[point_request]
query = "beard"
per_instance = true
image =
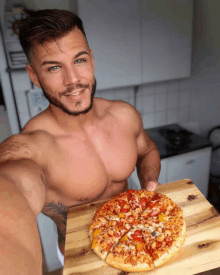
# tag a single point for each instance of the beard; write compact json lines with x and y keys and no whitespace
{"x":54,"y":101}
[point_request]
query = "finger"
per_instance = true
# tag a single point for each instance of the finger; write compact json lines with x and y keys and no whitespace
{"x":151,"y":186}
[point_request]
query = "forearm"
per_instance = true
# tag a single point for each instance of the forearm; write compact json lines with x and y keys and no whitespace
{"x":16,"y":259}
{"x":20,"y":247}
{"x":148,"y":167}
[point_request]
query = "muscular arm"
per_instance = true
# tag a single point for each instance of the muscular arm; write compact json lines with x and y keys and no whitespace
{"x":148,"y":162}
{"x":22,"y":195}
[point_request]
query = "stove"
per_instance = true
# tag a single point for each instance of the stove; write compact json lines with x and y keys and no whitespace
{"x":176,"y":137}
{"x":173,"y":140}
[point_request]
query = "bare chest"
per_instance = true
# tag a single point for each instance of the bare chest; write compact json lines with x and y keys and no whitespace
{"x":82,"y":169}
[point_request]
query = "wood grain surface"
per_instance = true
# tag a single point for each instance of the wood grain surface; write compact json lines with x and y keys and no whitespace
{"x":200,"y":252}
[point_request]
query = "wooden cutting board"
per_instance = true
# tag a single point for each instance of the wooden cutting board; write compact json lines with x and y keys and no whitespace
{"x":200,"y":252}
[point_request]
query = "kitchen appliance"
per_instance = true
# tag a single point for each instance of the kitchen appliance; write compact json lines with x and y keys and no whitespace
{"x":173,"y":139}
{"x":176,"y":137}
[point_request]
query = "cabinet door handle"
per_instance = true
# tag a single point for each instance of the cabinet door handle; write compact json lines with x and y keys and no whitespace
{"x":191,"y":161}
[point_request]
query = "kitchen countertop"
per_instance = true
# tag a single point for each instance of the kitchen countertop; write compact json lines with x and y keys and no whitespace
{"x":197,"y":142}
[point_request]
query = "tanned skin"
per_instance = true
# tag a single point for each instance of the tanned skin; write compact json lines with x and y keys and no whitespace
{"x":78,"y":150}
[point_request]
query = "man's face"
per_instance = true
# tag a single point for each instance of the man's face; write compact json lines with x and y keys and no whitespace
{"x":64,"y":70}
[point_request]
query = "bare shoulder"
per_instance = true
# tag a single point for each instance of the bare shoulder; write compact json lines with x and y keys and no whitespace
{"x":24,"y":145}
{"x":126,"y":114}
{"x":15,"y":147}
{"x":36,"y":123}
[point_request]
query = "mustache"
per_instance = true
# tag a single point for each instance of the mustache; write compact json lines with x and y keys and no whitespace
{"x":74,"y":87}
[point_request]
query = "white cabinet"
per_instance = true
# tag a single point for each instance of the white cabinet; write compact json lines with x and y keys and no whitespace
{"x":113,"y":32}
{"x":194,"y":165}
{"x":138,"y":41}
{"x":166,"y":29}
{"x":163,"y":172}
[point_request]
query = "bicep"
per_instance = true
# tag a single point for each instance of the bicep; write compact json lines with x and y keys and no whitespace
{"x":17,"y":165}
{"x":15,"y":147}
{"x":144,"y":143}
{"x":27,"y":176}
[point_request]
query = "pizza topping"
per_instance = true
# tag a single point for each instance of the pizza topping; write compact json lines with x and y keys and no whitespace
{"x":156,"y":197}
{"x":137,"y":239}
{"x":112,"y":217}
{"x":127,"y":226}
{"x":159,"y":229}
{"x":140,"y":247}
{"x":111,"y":232}
{"x":122,"y":203}
{"x":167,"y":232}
{"x":160,"y":238}
{"x":93,"y":243}
{"x":118,"y":248}
{"x":162,"y":218}
{"x":143,"y":202}
{"x":124,"y":210}
{"x":168,"y":241}
{"x":121,"y":215}
{"x":153,"y":245}
{"x":124,"y":239}
{"x":130,"y":191}
{"x":151,"y":204}
{"x":154,"y":233}
{"x":108,"y":247}
{"x":154,"y":212}
{"x":96,"y":232}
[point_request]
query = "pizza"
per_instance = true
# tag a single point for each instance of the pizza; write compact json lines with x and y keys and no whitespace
{"x":137,"y":230}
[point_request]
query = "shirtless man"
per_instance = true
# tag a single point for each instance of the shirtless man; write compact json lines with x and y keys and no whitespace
{"x":80,"y":149}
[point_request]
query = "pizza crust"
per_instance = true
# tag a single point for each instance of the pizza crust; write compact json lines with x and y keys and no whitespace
{"x":173,"y":251}
{"x":118,"y":262}
{"x":90,"y":235}
{"x":182,"y":237}
{"x":100,"y":253}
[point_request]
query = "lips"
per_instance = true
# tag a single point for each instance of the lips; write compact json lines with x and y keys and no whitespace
{"x":75,"y":93}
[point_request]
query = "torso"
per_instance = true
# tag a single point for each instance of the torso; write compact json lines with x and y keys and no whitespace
{"x":85,"y":166}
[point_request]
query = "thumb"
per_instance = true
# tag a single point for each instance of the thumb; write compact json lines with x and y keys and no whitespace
{"x":151,"y":185}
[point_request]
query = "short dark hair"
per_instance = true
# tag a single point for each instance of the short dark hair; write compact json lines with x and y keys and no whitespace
{"x":45,"y":25}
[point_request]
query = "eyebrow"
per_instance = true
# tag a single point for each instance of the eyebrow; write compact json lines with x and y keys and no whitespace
{"x":57,"y":62}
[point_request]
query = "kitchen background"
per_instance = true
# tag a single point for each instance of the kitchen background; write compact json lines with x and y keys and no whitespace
{"x":161,"y":56}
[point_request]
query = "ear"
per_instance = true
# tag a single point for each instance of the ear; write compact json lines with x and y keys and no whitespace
{"x":92,"y":58}
{"x":33,"y":75}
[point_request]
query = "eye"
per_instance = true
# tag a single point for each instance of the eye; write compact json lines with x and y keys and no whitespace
{"x":54,"y":68}
{"x":79,"y":61}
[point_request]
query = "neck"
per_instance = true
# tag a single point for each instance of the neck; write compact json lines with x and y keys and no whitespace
{"x":69,"y":122}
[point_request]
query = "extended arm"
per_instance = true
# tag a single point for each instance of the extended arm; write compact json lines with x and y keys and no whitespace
{"x":22,"y":195}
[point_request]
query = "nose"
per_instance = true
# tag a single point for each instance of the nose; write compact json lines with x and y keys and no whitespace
{"x":72,"y":76}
